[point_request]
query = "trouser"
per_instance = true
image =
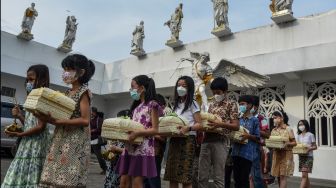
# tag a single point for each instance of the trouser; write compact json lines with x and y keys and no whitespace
{"x":256,"y":172}
{"x":97,"y":151}
{"x":241,"y":172}
{"x":156,"y":181}
{"x":228,"y":173}
{"x":212,"y":154}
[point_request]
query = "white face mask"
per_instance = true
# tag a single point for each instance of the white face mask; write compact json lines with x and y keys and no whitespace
{"x":181,"y":91}
{"x":302,"y":127}
{"x":219,"y":98}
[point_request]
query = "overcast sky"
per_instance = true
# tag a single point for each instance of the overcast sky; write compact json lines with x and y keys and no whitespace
{"x":105,"y":26}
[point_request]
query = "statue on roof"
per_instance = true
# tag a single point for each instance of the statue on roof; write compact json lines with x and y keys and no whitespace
{"x":29,"y":17}
{"x":137,"y":40}
{"x":70,"y":34}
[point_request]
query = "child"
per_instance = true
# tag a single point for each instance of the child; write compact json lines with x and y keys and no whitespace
{"x":214,"y":148}
{"x":26,"y":167}
{"x":182,"y":149}
{"x":282,"y":161}
{"x":112,"y":178}
{"x":67,"y":162}
{"x":138,"y":161}
{"x":306,"y":161}
{"x":244,"y":154}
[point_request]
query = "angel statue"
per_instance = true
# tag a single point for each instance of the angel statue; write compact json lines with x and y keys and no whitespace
{"x":175,"y":23}
{"x":70,"y":34}
{"x":279,"y":5}
{"x":221,"y":12}
{"x":203,"y":74}
{"x":138,"y":36}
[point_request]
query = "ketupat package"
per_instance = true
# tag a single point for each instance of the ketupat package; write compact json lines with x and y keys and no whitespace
{"x":44,"y":100}
{"x":236,"y":136}
{"x":168,"y":125}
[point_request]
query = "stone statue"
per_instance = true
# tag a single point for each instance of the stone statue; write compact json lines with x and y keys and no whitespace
{"x":279,"y":5}
{"x":281,"y":11}
{"x":137,"y":41}
{"x":203,"y":74}
{"x":221,"y":13}
{"x":29,"y":17}
{"x":221,"y":26}
{"x":175,"y":23}
{"x":70,"y":34}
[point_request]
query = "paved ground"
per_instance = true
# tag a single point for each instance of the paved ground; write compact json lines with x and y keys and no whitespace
{"x":96,"y":180}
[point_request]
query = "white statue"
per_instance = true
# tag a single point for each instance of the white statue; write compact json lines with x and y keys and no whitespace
{"x":175,"y":22}
{"x":138,"y":36}
{"x":221,"y":13}
{"x":28,"y":19}
{"x":279,"y":5}
{"x":70,"y":31}
{"x":203,"y":74}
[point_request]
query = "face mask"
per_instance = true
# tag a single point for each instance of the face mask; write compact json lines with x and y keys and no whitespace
{"x":135,"y":95}
{"x":219,"y":98}
{"x":29,"y":87}
{"x":276,"y":121}
{"x":68,"y":76}
{"x":181,"y":91}
{"x":242,"y":108}
{"x":302,"y":127}
{"x":252,"y":110}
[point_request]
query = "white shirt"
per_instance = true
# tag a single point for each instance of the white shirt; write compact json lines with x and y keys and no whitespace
{"x":188,"y":114}
{"x":308,"y":138}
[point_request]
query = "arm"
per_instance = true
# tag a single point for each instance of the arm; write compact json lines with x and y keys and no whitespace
{"x":255,"y":135}
{"x":16,"y":113}
{"x":292,"y":141}
{"x":231,"y":125}
{"x":197,"y":126}
{"x":312,"y":147}
{"x":265,"y":133}
{"x":35,"y":130}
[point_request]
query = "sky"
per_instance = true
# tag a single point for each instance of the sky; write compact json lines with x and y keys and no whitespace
{"x":105,"y":26}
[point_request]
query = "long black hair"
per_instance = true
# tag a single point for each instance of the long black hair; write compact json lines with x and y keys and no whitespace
{"x":77,"y":62}
{"x":150,"y":91}
{"x":281,"y":113}
{"x":305,"y":123}
{"x":190,"y":93}
{"x":42,"y":75}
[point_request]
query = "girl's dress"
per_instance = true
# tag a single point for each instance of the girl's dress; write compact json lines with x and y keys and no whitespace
{"x":25,"y":169}
{"x":67,"y":162}
{"x":139,"y":160}
{"x":112,"y":179}
{"x":282,"y":161}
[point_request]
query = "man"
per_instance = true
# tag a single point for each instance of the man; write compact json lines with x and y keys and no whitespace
{"x":215,"y":146}
{"x":244,"y":154}
{"x":96,"y":141}
{"x":256,"y":171}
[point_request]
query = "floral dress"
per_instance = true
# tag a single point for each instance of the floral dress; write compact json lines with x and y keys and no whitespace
{"x":139,"y":160}
{"x":25,"y":169}
{"x":67,"y":162}
{"x":112,"y":179}
{"x":282,"y":161}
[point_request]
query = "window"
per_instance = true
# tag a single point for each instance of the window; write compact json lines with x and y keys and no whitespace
{"x":321,"y":111}
{"x":7,"y":91}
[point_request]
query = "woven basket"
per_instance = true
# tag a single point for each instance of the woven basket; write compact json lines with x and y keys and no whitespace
{"x":168,"y":126}
{"x":205,"y":120}
{"x":118,"y":129}
{"x":45,"y":100}
{"x":301,"y":149}
{"x":275,"y":144}
{"x":236,"y":136}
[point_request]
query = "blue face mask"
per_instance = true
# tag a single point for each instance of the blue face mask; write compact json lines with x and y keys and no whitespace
{"x":29,"y":87}
{"x":135,"y":95}
{"x":242,"y":108}
{"x":252,"y":110}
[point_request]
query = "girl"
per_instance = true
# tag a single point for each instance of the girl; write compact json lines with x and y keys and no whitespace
{"x":138,"y":161}
{"x":282,"y":162}
{"x":67,"y":162}
{"x":182,"y":150}
{"x":26,"y":167}
{"x":306,"y":161}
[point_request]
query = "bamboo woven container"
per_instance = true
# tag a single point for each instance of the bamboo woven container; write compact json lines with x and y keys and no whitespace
{"x":168,"y":125}
{"x":300,"y":149}
{"x":118,"y":129}
{"x":277,"y":142}
{"x":44,"y":100}
{"x":205,"y":120}
{"x":236,"y":136}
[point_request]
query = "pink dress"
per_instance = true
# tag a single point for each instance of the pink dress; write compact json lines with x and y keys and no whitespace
{"x":139,"y":160}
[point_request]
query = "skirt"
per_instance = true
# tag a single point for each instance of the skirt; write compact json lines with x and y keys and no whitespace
{"x":181,"y":154}
{"x":306,"y":163}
